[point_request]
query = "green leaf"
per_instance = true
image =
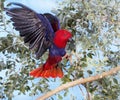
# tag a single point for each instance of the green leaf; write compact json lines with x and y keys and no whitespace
{"x":83,"y":64}
{"x":6,"y":73}
{"x":83,"y":59}
{"x":90,"y":55}
{"x":65,"y":94}
{"x":89,"y":71}
{"x":115,"y":80}
{"x":27,"y":88}
{"x":1,"y":78}
{"x":60,"y":97}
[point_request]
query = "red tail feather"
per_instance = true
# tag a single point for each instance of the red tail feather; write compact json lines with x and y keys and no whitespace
{"x":40,"y":72}
{"x":49,"y":69}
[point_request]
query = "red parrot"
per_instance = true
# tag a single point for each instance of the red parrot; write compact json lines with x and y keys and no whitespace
{"x":42,"y":32}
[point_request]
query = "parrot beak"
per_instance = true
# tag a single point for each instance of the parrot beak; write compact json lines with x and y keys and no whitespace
{"x":70,"y":40}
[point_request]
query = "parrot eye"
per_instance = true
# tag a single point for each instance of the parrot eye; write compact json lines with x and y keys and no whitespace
{"x":65,"y":34}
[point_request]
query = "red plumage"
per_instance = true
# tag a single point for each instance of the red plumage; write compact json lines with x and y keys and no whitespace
{"x":49,"y":69}
{"x":61,"y":38}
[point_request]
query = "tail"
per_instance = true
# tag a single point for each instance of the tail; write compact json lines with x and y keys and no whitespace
{"x":41,"y":72}
{"x":49,"y":69}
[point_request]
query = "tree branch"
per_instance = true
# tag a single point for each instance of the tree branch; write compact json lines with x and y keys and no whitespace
{"x":79,"y":81}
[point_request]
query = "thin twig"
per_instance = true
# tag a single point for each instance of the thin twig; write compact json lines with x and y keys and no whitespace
{"x":79,"y":81}
{"x":22,"y":43}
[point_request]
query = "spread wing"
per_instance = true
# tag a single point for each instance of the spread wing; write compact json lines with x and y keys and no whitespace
{"x":35,"y":28}
{"x":53,"y":21}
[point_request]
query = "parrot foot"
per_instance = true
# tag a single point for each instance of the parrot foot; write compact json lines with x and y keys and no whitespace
{"x":68,"y":57}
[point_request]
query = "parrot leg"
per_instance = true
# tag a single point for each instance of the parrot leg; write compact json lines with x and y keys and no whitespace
{"x":65,"y":56}
{"x":68,"y":57}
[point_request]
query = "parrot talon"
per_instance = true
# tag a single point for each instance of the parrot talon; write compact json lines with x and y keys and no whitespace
{"x":68,"y":57}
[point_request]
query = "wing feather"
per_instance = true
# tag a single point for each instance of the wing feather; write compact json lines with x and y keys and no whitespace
{"x":35,"y":28}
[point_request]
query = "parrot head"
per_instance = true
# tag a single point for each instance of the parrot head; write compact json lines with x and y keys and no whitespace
{"x":61,"y":38}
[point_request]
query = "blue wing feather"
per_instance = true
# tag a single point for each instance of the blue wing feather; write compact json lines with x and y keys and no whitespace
{"x":35,"y":28}
{"x":53,"y":21}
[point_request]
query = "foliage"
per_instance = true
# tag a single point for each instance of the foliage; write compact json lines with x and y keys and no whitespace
{"x":96,"y":29}
{"x":95,"y":49}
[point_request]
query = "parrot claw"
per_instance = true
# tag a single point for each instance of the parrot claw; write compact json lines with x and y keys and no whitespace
{"x":65,"y":56}
{"x":68,"y":57}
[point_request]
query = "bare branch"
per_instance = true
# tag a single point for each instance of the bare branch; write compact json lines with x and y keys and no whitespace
{"x":79,"y":81}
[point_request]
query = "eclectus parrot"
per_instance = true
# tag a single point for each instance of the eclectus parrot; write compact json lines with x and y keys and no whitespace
{"x":42,"y":32}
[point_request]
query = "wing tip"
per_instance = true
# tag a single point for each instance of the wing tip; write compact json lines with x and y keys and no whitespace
{"x":20,"y":5}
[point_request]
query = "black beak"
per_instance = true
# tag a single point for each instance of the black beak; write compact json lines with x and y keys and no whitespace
{"x":70,"y":40}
